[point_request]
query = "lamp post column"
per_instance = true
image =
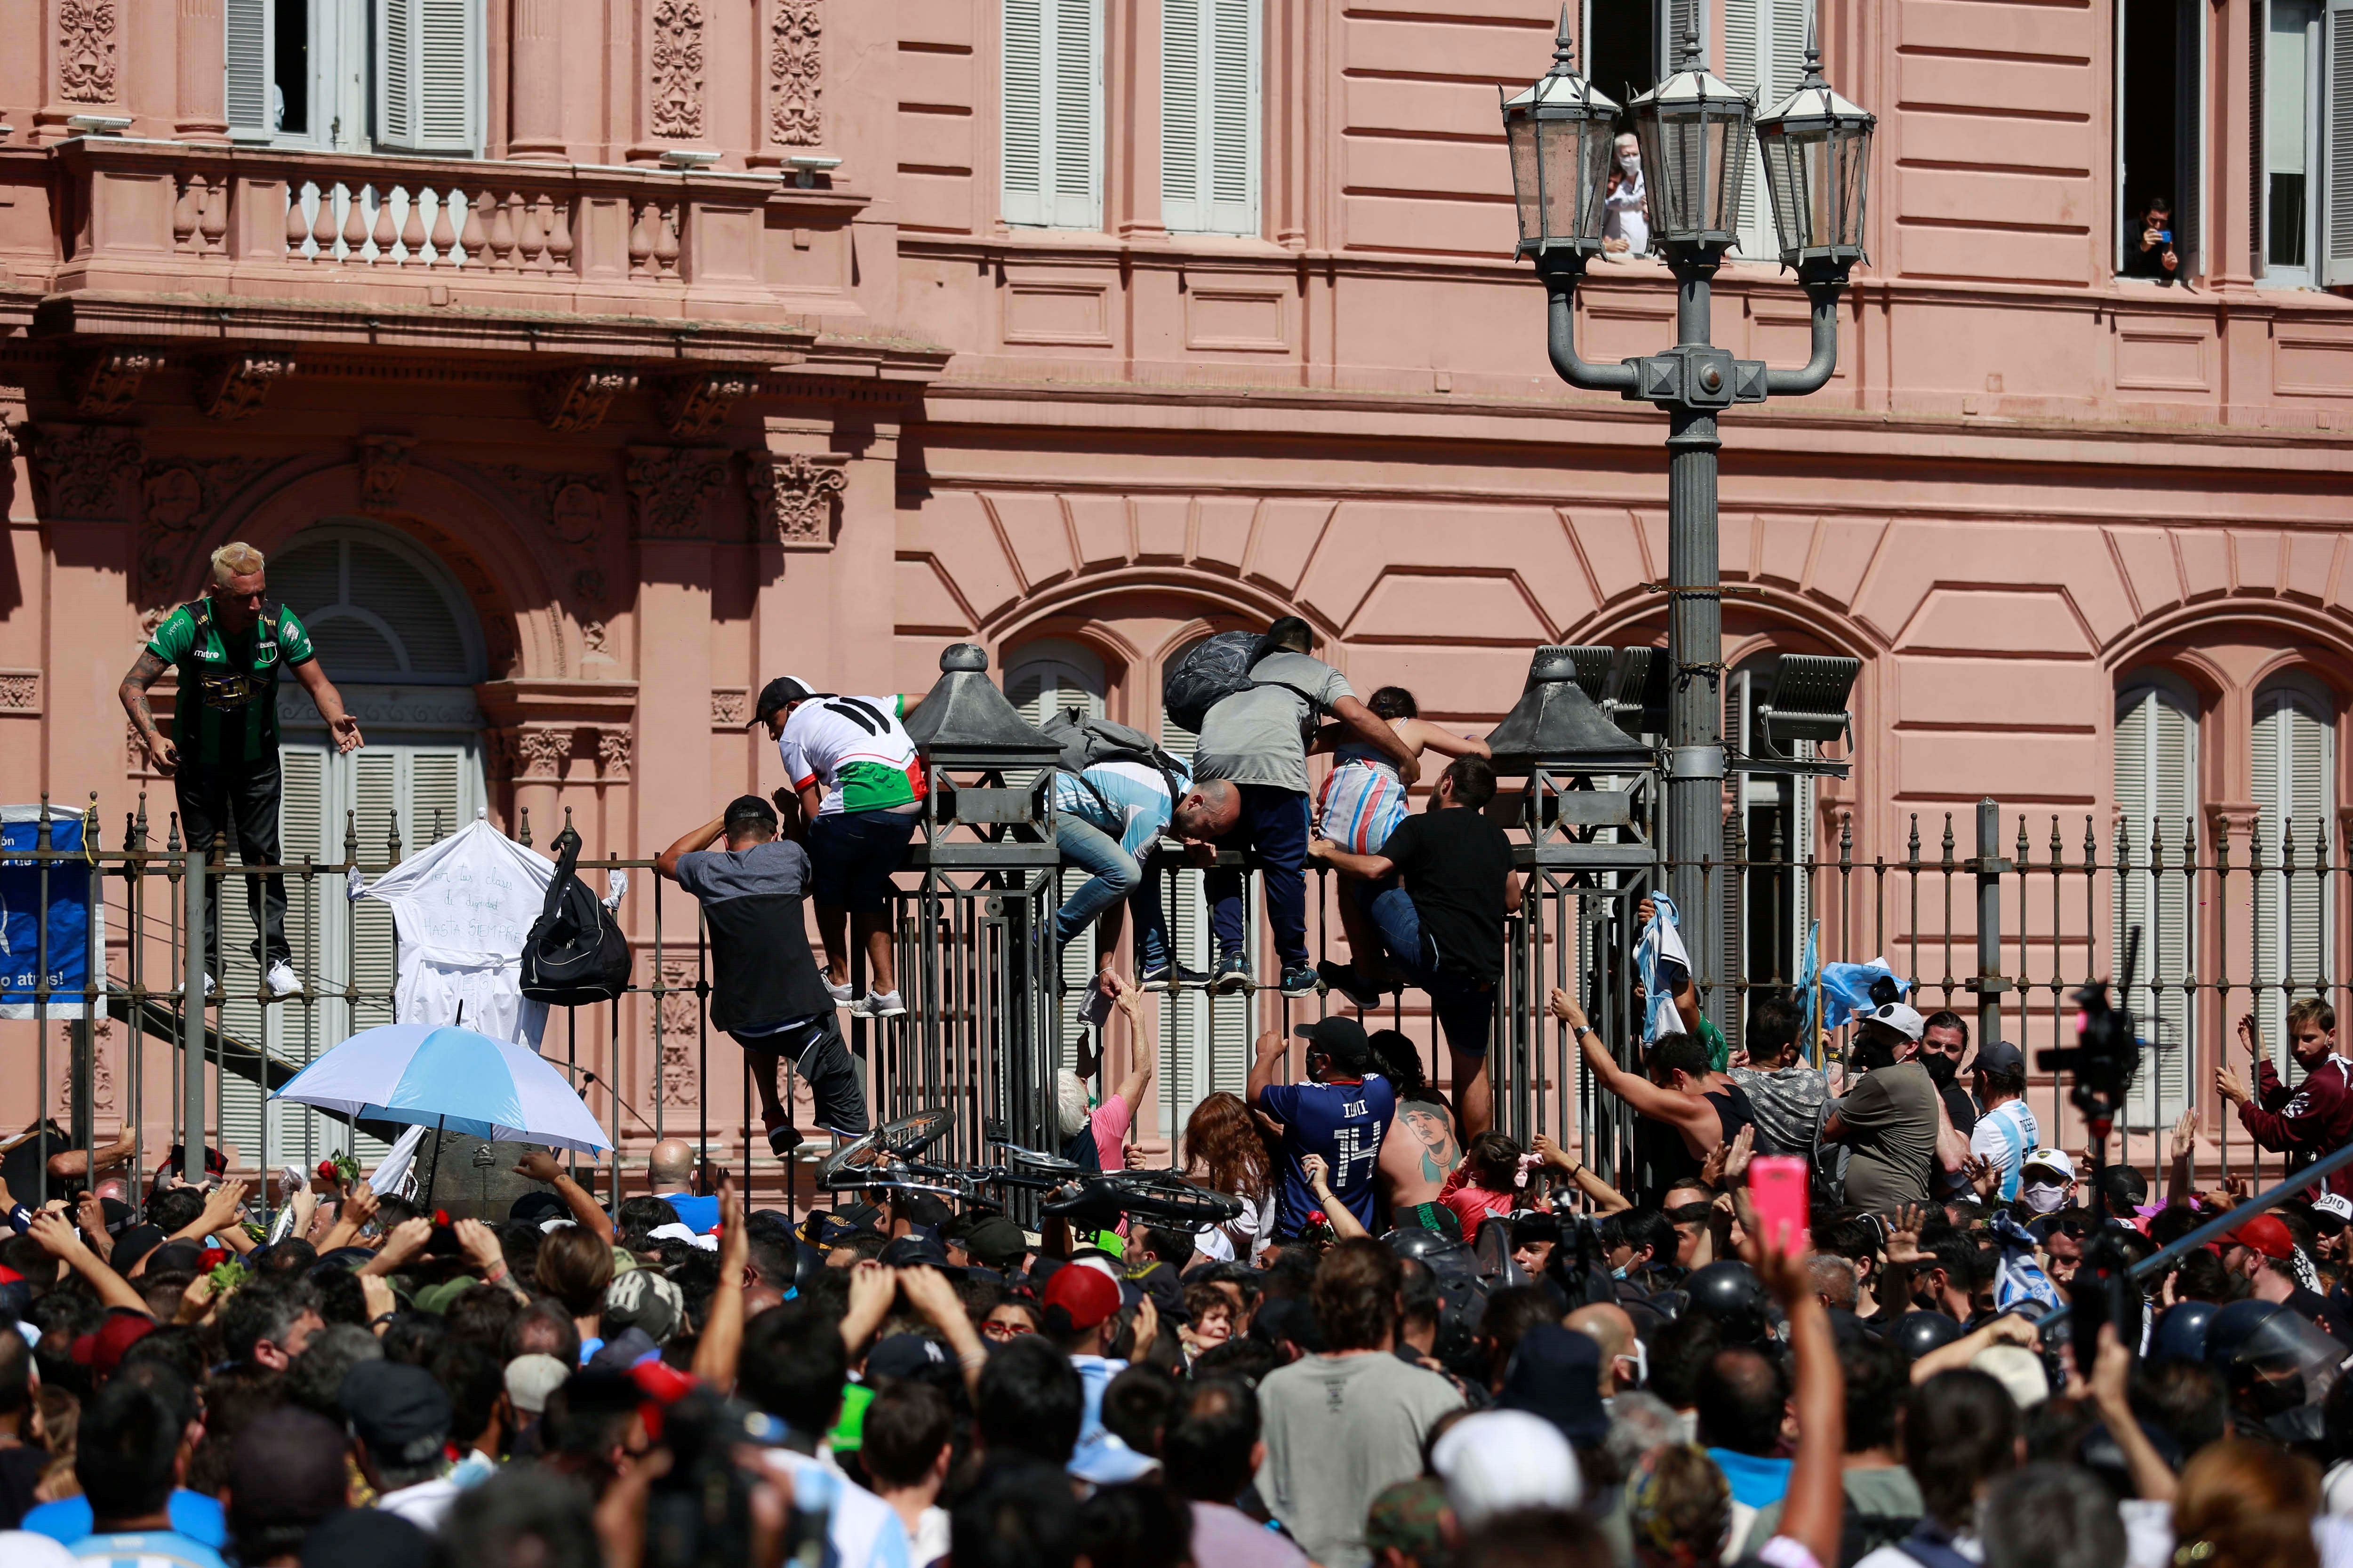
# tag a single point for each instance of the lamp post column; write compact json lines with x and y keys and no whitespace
{"x":1695,"y":652}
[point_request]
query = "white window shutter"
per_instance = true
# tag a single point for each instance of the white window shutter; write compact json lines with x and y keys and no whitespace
{"x":1674,"y":18}
{"x":1764,"y":54}
{"x":2337,"y":151}
{"x":428,"y":76}
{"x":1052,"y":157}
{"x":251,"y":72}
{"x":2294,"y":764}
{"x":2155,"y":782}
{"x":1209,"y":116}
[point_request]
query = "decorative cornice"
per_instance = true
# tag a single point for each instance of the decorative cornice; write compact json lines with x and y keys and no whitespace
{"x":235,"y":385}
{"x":693,"y":406}
{"x":795,"y":74}
{"x":573,"y":400}
{"x":669,"y":487}
{"x":384,"y":465}
{"x":80,"y":468}
{"x":104,"y":380}
{"x":793,"y":495}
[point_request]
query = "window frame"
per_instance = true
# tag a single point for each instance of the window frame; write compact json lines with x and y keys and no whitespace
{"x":2155,"y":996}
{"x":1204,"y":213}
{"x":2316,"y":99}
{"x":1046,"y":207}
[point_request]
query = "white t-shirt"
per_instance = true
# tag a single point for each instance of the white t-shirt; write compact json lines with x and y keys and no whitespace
{"x":856,"y":750}
{"x":862,"y":1529}
{"x":931,"y":1538}
{"x":1968,"y":1546}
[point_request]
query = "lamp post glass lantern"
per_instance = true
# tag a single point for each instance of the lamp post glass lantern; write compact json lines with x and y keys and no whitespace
{"x":1695,"y":133}
{"x":1695,"y":129}
{"x":1817,"y":152}
{"x":1559,"y":133}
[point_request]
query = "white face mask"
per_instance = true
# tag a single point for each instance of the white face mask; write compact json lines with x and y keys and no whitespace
{"x":2044,"y":1197}
{"x":1631,"y":163}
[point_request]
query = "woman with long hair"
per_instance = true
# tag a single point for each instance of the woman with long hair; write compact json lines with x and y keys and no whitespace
{"x":2242,"y":1504}
{"x":1224,"y":1153}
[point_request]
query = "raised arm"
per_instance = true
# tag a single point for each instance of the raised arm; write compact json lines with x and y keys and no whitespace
{"x":1607,"y":1199}
{"x":144,"y":671}
{"x":1427,"y":736}
{"x":1812,"y":1509}
{"x":721,"y":1344}
{"x":1375,"y":732}
{"x":1647,"y":1097}
{"x":541,"y":1166}
{"x":1266,"y":1064}
{"x":1142,"y":1050}
{"x":57,"y":1236}
{"x":703,"y":837}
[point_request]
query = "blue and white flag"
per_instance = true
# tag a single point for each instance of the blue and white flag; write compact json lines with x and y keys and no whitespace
{"x":75,"y":922}
{"x":1847,"y":989}
{"x":1664,"y":965}
{"x":2016,"y":1277}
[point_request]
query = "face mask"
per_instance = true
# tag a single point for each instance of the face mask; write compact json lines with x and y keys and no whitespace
{"x":1630,"y":161}
{"x":2044,"y":1197}
{"x":1875,"y":1054}
{"x":1940,"y":1067}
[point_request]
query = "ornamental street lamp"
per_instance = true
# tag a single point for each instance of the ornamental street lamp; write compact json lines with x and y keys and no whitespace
{"x":1695,"y":133}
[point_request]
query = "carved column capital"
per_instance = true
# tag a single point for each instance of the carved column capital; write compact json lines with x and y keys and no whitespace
{"x":235,"y":385}
{"x":613,"y":748}
{"x":574,"y":399}
{"x":792,"y":494}
{"x":670,"y":488}
{"x":541,"y":754}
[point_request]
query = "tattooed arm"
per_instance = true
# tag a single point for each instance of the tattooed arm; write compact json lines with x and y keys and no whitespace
{"x":133,"y":692}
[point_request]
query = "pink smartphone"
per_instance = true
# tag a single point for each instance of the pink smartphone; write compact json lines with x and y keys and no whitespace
{"x":1776,"y":1186}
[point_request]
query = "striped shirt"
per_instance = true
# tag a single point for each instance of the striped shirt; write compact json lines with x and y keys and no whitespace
{"x":153,"y":1549}
{"x":1134,"y":804}
{"x":2006,"y":1135}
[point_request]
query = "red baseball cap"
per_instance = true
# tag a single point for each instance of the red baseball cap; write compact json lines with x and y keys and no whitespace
{"x":2266,"y":1234}
{"x":102,"y":1350}
{"x":1087,"y":1294}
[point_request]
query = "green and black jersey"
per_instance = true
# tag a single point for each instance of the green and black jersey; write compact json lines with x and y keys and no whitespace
{"x":227,"y":709}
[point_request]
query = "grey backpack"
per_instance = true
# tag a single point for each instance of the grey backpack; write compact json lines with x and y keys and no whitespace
{"x":1086,"y":740}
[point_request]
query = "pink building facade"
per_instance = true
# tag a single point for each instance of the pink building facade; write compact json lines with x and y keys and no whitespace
{"x":581,"y":367}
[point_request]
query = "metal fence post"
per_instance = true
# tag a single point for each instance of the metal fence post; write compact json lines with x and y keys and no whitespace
{"x":192,"y":1016}
{"x":1990,"y":983}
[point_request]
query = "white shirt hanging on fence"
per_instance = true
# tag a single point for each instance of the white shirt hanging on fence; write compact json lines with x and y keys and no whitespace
{"x":462,"y":908}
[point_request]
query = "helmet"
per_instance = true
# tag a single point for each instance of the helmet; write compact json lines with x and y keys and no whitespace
{"x":1413,"y":1241}
{"x":2181,"y":1333}
{"x":2272,"y":1358}
{"x":1917,"y":1333}
{"x":1728,"y":1293}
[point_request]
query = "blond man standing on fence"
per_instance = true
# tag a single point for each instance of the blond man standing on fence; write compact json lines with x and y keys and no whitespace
{"x":222,"y":759}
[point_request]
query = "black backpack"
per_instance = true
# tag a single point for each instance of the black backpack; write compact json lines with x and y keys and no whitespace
{"x":575,"y":953}
{"x":1216,"y":669}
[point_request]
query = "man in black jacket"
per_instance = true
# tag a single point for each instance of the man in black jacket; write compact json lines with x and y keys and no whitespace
{"x":765,"y":988}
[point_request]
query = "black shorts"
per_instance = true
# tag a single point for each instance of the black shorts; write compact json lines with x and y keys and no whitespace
{"x":852,"y":855}
{"x":819,"y":1055}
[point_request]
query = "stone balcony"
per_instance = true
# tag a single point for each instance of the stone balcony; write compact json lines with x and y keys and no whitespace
{"x":278,"y":249}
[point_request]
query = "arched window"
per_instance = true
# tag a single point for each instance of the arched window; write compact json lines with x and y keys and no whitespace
{"x":1052,"y":673}
{"x":2156,"y":801}
{"x":2295,"y":797}
{"x":1764,"y":939}
{"x":378,"y":610}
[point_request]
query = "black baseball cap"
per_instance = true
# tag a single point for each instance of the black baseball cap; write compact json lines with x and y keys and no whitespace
{"x":400,"y":1412}
{"x":783,"y":690}
{"x":1342,"y":1038}
{"x":2001,"y":1057}
{"x":995,"y":1239}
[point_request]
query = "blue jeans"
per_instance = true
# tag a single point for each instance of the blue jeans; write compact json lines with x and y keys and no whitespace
{"x":1465,"y":1007}
{"x":1116,"y":875}
{"x":1274,"y":823}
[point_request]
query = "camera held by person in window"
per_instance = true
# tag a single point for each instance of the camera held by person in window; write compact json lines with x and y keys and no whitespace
{"x":2148,"y":244}
{"x":1626,"y":229}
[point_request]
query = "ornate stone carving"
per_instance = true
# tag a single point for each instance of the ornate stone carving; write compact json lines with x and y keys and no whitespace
{"x":794,"y":496}
{"x":570,"y":400}
{"x":588,"y":583}
{"x":795,"y":74}
{"x":541,"y":754}
{"x":81,"y":468}
{"x":680,"y":1009}
{"x":677,"y":69}
{"x":180,"y":496}
{"x":235,"y":385}
{"x":668,"y":487}
{"x":612,"y":753}
{"x":383,"y":464}
{"x":86,"y":43}
{"x":593,"y":640}
{"x":105,"y":381}
{"x":571,"y":506}
{"x":730,"y":707}
{"x":694,"y":406}
{"x":20,"y":691}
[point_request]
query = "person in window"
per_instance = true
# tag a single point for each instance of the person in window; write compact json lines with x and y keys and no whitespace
{"x":2148,"y":244}
{"x":765,"y":988}
{"x":229,"y":647}
{"x":1626,"y":226}
{"x":861,"y":788}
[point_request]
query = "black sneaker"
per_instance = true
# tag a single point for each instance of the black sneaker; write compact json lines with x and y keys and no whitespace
{"x":1298,"y":980}
{"x":1232,"y":974}
{"x":783,"y":1141}
{"x":1348,"y":982}
{"x":1169,"y":977}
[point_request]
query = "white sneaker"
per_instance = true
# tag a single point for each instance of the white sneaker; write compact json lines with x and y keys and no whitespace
{"x":283,"y":981}
{"x":878,"y":1004}
{"x":840,"y":993}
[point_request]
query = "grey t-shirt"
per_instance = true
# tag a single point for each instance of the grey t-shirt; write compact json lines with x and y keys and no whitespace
{"x":1891,"y":1121}
{"x":1253,"y":737}
{"x":1338,"y":1429}
{"x":778,"y":867}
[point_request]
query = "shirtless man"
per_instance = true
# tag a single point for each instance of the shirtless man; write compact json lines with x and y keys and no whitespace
{"x":1414,"y":1165}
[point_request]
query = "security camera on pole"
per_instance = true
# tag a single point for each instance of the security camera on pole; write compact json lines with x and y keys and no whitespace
{"x":1695,"y":132}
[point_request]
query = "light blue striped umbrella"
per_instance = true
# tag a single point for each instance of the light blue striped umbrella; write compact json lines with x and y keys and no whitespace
{"x":437,"y":1075}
